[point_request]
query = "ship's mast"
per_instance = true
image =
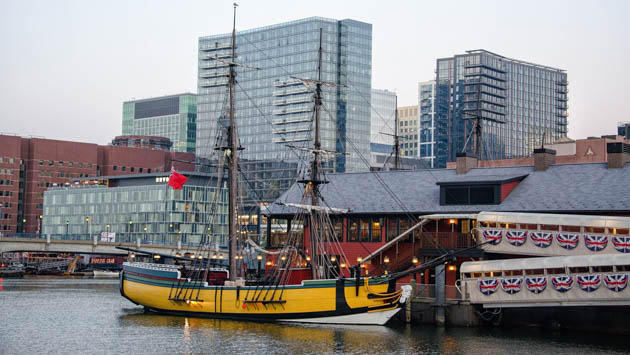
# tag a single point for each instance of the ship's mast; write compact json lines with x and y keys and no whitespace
{"x":232,"y":160}
{"x":314,"y":182}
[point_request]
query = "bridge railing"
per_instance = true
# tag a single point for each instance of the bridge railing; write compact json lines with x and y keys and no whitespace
{"x":88,"y":237}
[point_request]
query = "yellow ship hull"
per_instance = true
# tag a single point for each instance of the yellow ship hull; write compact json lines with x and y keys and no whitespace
{"x":323,"y":301}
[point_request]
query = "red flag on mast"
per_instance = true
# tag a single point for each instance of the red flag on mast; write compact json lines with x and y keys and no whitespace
{"x":176,"y":180}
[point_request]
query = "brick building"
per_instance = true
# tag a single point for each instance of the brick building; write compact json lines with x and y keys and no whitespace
{"x":28,"y":166}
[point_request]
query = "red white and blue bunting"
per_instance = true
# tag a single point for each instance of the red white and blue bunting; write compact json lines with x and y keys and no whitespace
{"x":621,"y":244}
{"x":568,"y":241}
{"x":516,"y":238}
{"x":595,"y":242}
{"x":493,"y":236}
{"x":589,"y":283}
{"x":616,"y":282}
{"x":536,"y":284}
{"x":511,"y":285}
{"x":542,"y":239}
{"x":488,"y":287}
{"x":562,"y":283}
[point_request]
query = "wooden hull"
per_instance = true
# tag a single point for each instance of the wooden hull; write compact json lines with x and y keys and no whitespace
{"x":323,"y":301}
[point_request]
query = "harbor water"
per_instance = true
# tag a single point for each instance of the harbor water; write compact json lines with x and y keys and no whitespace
{"x":88,"y":316}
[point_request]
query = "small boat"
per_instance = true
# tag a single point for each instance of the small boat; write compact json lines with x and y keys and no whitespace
{"x":302,"y":286}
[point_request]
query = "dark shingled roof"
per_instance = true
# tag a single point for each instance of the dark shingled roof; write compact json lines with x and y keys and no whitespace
{"x":574,"y":188}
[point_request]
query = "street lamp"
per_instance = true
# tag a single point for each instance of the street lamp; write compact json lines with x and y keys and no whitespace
{"x":67,"y":226}
{"x":87,"y":226}
{"x":130,"y":228}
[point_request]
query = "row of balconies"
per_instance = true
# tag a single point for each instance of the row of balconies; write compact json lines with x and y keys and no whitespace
{"x":291,"y":82}
{"x":293,"y":100}
{"x":218,"y":55}
{"x":292,"y":129}
{"x":213,"y":65}
{"x":213,"y":74}
{"x":291,"y":119}
{"x":486,"y":81}
{"x":296,"y":138}
{"x":215,"y":46}
{"x":292,"y":109}
{"x":213,"y":83}
{"x":287,"y":92}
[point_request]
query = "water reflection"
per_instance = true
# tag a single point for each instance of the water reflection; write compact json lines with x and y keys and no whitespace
{"x":89,"y":316}
{"x":294,"y":338}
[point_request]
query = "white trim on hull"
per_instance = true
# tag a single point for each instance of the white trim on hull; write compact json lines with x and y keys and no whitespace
{"x":367,"y":318}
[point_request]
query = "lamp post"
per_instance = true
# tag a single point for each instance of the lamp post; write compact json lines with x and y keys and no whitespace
{"x":107,"y":231}
{"x":39,"y":227}
{"x":67,"y":226}
{"x":130,"y":229}
{"x":24,"y":225}
{"x":87,"y":226}
{"x":259,"y":258}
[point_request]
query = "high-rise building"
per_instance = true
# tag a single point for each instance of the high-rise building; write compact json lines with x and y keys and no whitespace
{"x":518,"y":104}
{"x":623,"y":129}
{"x":173,"y":117}
{"x":426,"y":98}
{"x":274,"y":108}
{"x":408,"y":131}
{"x":382,"y":126}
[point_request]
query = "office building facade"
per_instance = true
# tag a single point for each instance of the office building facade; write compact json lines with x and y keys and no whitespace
{"x":519,"y":105}
{"x":274,"y":109}
{"x":426,"y":103}
{"x":408,"y":131}
{"x":30,"y":166}
{"x":382,"y":127}
{"x":173,"y":117}
{"x":131,"y":207}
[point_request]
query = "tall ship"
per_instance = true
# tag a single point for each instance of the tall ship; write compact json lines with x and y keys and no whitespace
{"x":312,"y":281}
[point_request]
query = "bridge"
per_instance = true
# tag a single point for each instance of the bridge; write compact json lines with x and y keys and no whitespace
{"x":61,"y":243}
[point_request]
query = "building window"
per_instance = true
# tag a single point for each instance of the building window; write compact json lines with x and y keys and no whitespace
{"x":80,"y":165}
{"x":124,"y":168}
{"x":470,"y":195}
{"x":115,"y":168}
{"x":41,"y":162}
{"x":51,"y":163}
{"x":353,"y":230}
{"x":61,"y":163}
{"x":132,"y":169}
{"x":70,"y":164}
{"x":140,"y":170}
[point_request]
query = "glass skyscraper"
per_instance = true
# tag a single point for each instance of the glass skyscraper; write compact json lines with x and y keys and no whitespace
{"x":519,"y":104}
{"x":173,"y":117}
{"x":382,"y":126}
{"x":274,"y":109}
{"x":426,"y":98}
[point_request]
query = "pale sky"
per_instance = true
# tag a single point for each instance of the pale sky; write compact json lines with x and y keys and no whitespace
{"x":67,"y":66}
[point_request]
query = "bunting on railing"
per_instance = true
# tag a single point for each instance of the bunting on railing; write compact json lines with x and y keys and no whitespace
{"x":492,"y":236}
{"x":536,"y":284}
{"x":616,"y":282}
{"x":621,"y":244}
{"x":488,"y":287}
{"x":588,"y":283}
{"x":541,"y":239}
{"x":595,"y":242}
{"x":516,"y":238}
{"x":568,"y":241}
{"x":511,"y":285}
{"x":562,"y":283}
